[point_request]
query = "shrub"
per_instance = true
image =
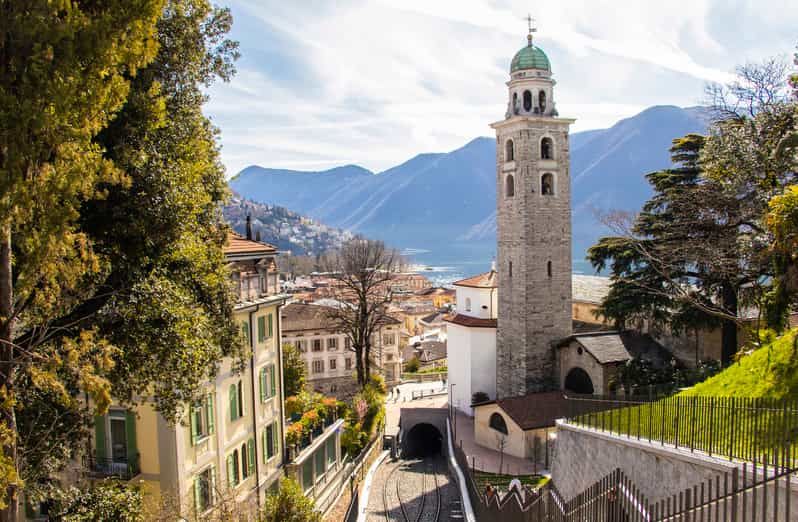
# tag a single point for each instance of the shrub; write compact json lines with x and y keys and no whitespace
{"x":294,"y":433}
{"x":412,"y":365}
{"x":479,"y":397}
{"x":289,"y":504}
{"x":105,"y":501}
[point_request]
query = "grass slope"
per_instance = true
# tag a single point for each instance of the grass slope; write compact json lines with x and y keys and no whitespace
{"x":768,"y":372}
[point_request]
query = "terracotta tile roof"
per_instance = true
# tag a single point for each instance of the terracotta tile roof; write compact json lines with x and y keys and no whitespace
{"x":467,"y":320}
{"x":486,"y":280}
{"x":238,"y":244}
{"x":535,"y":410}
{"x":298,"y":316}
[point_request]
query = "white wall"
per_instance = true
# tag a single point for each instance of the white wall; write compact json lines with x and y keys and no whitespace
{"x":472,"y":363}
{"x":484,"y":302}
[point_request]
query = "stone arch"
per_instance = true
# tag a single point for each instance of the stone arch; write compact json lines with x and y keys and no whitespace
{"x":498,"y":423}
{"x":509,"y":186}
{"x":527,"y":101}
{"x":509,"y":151}
{"x":546,"y":148}
{"x":547,"y":184}
{"x":578,"y":381}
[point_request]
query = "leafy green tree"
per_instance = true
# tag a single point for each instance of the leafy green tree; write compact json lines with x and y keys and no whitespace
{"x":412,"y":365}
{"x":293,"y":370}
{"x":65,"y":70}
{"x":289,"y":504}
{"x":138,"y":304}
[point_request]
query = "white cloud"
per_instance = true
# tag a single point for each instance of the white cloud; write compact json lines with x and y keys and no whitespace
{"x":374,"y":83}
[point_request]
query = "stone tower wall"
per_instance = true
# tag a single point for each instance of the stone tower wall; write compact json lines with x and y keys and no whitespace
{"x":533,"y":229}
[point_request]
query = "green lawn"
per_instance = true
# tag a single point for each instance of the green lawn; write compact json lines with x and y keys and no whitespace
{"x":502,"y":482}
{"x":746,"y":411}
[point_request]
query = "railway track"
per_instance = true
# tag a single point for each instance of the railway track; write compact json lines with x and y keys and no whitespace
{"x":412,"y":491}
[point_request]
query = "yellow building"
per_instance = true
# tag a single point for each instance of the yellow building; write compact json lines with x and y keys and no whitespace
{"x":230,"y":444}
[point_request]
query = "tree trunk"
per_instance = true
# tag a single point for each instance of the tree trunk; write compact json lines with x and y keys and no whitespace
{"x":729,"y":328}
{"x":7,"y":416}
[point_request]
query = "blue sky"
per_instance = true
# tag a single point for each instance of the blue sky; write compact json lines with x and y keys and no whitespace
{"x":326,"y":83}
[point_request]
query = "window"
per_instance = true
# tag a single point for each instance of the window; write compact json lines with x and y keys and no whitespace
{"x":333,"y":363}
{"x":527,"y":101}
{"x":204,"y":487}
{"x":332,"y":344}
{"x":509,"y":189}
{"x":389,"y":357}
{"x":245,"y":332}
{"x":244,"y":462}
{"x":497,"y":423}
{"x":318,"y":366}
{"x":468,"y":304}
{"x":389,"y":338}
{"x":265,"y":327}
{"x":236,"y":401}
{"x":542,"y":101}
{"x":510,"y":269}
{"x":270,"y":442}
{"x":316,"y":345}
{"x":233,"y":477}
{"x":202,"y":419}
{"x":515,"y":103}
{"x":547,"y":184}
{"x":347,"y":343}
{"x":546,"y":148}
{"x":268,"y":384}
{"x":302,"y":345}
{"x":548,"y":268}
{"x":509,"y":151}
{"x":348,"y":363}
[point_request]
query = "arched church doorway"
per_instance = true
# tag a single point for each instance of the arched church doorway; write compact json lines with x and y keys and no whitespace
{"x":578,"y":381}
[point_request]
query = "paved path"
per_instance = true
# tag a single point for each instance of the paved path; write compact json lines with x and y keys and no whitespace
{"x":487,"y":459}
{"x":403,"y":399}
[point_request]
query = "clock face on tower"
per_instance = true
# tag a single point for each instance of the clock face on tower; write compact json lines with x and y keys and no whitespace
{"x":533,"y":227}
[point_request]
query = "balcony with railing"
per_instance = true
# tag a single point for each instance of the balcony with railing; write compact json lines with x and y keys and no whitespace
{"x":107,"y":467}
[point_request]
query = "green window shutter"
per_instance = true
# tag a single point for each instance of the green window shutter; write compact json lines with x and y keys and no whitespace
{"x":263,"y":388}
{"x":251,"y":456}
{"x":271,"y":326}
{"x":130,"y":434}
{"x":210,"y":420}
{"x":99,"y":436}
{"x":245,"y":331}
{"x":261,"y":329}
{"x":233,"y":402}
{"x":230,"y":480}
{"x":272,"y":382}
{"x":194,"y":422}
{"x":198,"y":494}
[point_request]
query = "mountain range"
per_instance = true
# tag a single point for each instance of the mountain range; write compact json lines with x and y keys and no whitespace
{"x":437,"y":199}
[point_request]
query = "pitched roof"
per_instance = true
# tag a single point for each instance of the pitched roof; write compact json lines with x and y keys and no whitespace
{"x":432,"y":351}
{"x":467,"y":320}
{"x":611,"y":347}
{"x":238,"y":244}
{"x":486,"y":280}
{"x":535,"y":410}
{"x":434,"y":317}
{"x":300,"y":316}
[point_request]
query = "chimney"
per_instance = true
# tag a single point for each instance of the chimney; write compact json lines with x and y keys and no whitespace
{"x":257,"y":235}
{"x":249,"y":227}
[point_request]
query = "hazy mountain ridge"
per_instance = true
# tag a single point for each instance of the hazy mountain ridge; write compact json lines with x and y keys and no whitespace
{"x":439,"y":198}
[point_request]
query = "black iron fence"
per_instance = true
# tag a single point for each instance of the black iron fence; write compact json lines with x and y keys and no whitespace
{"x":731,"y":427}
{"x":121,"y":468}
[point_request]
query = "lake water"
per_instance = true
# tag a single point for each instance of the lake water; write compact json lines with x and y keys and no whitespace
{"x":452,"y":262}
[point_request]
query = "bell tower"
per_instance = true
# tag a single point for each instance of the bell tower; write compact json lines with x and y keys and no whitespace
{"x":533,"y":202}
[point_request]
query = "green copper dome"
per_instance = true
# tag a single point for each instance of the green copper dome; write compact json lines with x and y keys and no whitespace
{"x":530,"y":57}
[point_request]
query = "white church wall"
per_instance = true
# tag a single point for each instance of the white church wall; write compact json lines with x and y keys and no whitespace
{"x":477,"y":302}
{"x":458,"y":347}
{"x":483,"y":361}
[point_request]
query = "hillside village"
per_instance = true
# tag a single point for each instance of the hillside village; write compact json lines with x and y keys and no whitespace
{"x":174,"y":351}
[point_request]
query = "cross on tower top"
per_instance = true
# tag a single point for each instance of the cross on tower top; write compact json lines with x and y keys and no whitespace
{"x":532,"y":29}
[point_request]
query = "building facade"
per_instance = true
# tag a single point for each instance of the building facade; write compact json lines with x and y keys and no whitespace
{"x":327,"y":351}
{"x":229,"y":446}
{"x":533,"y":228}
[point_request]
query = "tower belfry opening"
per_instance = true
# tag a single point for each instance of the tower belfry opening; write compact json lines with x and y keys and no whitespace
{"x":534,"y":304}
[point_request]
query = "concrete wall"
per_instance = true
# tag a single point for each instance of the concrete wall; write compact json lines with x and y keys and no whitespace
{"x":582,"y":457}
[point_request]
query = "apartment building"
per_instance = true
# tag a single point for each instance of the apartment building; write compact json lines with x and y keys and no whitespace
{"x":328,"y":354}
{"x":230,"y":444}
